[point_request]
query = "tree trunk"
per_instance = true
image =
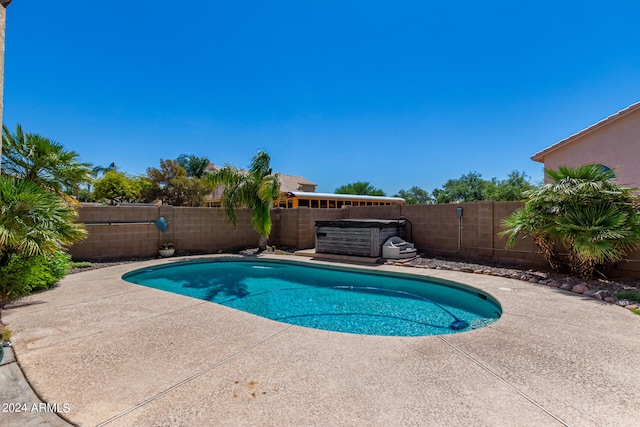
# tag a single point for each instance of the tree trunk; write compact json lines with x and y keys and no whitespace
{"x":262,"y":244}
{"x":549,"y":252}
{"x":582,"y":267}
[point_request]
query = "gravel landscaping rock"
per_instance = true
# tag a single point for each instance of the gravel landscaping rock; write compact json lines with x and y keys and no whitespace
{"x":601,"y":288}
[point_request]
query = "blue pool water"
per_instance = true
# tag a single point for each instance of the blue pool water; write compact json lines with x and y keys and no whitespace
{"x":335,"y":299}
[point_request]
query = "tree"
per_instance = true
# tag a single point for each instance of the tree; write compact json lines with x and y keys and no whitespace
{"x":255,"y":189}
{"x":37,"y":159}
{"x":97,"y":170}
{"x":508,"y":190}
{"x":171,"y":184}
{"x":472,"y":188}
{"x":144,"y":187}
{"x":361,"y":188}
{"x":32,"y":222}
{"x":582,"y":208}
{"x":194,"y":166}
{"x":85,"y":195}
{"x":116,"y":187}
{"x":467,"y":188}
{"x":415,"y":196}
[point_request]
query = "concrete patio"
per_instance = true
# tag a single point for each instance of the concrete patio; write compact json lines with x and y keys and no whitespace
{"x":108,"y":352}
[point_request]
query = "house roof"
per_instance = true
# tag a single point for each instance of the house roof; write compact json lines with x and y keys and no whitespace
{"x":293,"y":183}
{"x":343,"y":196}
{"x":287,"y":182}
{"x":539,"y":156}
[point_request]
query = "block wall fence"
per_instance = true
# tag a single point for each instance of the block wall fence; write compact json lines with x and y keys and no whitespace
{"x":130,"y":232}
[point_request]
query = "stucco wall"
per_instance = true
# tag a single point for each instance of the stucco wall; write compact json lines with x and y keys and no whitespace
{"x":616,"y":145}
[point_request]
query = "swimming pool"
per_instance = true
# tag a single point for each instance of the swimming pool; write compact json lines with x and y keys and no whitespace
{"x":326,"y":297}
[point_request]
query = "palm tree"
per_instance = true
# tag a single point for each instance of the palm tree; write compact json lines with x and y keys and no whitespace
{"x":597,"y":220}
{"x":536,"y":221}
{"x":32,"y":222}
{"x":97,"y":170}
{"x":35,"y":158}
{"x":195,"y":166}
{"x":598,"y":234}
{"x":255,"y":189}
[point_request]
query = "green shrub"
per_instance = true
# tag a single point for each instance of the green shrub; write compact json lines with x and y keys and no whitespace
{"x":630,"y":295}
{"x":12,"y":278}
{"x":51,"y":269}
{"x":33,"y":225}
{"x":24,"y":274}
{"x":81,"y":264}
{"x":5,"y":333}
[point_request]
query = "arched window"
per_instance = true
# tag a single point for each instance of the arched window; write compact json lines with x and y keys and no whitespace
{"x":605,"y":169}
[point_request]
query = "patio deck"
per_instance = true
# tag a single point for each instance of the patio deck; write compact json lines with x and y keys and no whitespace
{"x":120,"y":354}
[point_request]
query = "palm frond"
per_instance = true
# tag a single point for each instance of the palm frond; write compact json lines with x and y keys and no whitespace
{"x":33,"y":221}
{"x":255,"y":190}
{"x":597,"y":220}
{"x":269,"y":188}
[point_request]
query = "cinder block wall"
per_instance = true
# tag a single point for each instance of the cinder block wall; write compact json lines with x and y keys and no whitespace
{"x":295,"y":228}
{"x":631,"y":267}
{"x":192,"y":230}
{"x":525,"y":251}
{"x":117,"y":241}
{"x":284,"y":231}
{"x":377,"y":212}
{"x":434,"y":229}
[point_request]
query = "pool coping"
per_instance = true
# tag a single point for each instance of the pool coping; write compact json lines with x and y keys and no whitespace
{"x":554,"y":358}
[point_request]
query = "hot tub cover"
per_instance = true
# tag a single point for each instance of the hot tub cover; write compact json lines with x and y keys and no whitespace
{"x":362,"y":223}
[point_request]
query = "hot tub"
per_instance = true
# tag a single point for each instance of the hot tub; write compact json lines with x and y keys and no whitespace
{"x":359,"y":237}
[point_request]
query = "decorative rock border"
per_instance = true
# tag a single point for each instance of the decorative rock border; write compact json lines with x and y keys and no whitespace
{"x":580,"y":288}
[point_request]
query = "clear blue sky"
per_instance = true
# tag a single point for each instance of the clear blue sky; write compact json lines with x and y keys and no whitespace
{"x":398,"y":93}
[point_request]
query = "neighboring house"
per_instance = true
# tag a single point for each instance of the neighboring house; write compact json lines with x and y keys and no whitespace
{"x":288,"y":183}
{"x":613,"y":143}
